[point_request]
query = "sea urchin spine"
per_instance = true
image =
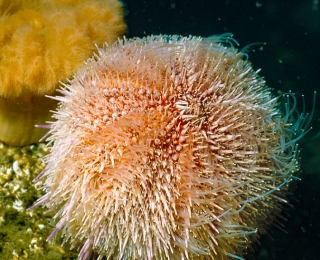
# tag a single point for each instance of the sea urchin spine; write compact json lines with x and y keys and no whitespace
{"x":168,"y":147}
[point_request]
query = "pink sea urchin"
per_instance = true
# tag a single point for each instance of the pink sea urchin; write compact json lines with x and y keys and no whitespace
{"x":168,"y":147}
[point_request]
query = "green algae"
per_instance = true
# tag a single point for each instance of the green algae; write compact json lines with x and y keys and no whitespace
{"x":23,"y":232}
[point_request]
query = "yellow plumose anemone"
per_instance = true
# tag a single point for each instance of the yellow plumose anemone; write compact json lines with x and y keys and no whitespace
{"x":168,"y":147}
{"x":42,"y":43}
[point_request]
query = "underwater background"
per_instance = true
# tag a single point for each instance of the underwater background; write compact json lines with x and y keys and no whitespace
{"x":290,"y":61}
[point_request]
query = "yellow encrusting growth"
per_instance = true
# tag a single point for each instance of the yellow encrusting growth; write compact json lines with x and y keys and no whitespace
{"x":168,"y":148}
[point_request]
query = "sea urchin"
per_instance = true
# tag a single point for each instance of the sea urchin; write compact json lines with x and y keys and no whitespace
{"x":168,"y":147}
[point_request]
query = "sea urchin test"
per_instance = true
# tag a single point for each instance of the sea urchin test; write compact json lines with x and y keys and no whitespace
{"x":168,"y":147}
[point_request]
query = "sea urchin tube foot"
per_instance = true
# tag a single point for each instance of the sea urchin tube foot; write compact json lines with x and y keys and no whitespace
{"x":168,"y":147}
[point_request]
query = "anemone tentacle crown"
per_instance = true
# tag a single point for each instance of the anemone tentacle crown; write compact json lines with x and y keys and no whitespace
{"x":42,"y":43}
{"x":168,"y":147}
